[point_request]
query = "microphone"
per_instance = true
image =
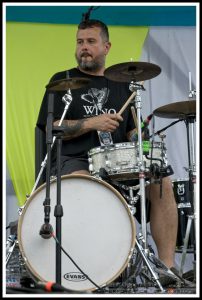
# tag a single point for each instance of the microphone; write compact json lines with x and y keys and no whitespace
{"x":145,"y":130}
{"x":46,"y":231}
{"x":146,"y":122}
{"x":144,"y":125}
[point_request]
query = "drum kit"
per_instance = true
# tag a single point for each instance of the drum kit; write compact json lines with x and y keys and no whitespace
{"x":98,"y":226}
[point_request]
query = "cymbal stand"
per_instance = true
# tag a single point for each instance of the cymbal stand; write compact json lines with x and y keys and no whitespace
{"x":143,"y":249}
{"x":189,"y":121}
{"x":67,"y":99}
{"x":138,"y":105}
{"x":192,"y":181}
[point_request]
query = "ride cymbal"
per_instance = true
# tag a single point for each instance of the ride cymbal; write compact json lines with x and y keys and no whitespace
{"x":177,"y":110}
{"x":69,"y":83}
{"x":132,"y":71}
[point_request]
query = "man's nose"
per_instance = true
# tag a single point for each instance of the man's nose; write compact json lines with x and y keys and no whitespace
{"x":84,"y":46}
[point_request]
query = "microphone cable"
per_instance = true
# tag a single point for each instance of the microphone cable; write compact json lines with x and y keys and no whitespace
{"x":97,"y":286}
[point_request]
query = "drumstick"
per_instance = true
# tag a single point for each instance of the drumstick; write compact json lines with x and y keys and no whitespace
{"x":129,"y":100}
{"x":134,"y":116}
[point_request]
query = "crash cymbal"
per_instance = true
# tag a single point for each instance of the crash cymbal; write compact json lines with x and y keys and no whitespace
{"x":177,"y":110}
{"x":69,"y":83}
{"x":132,"y":71}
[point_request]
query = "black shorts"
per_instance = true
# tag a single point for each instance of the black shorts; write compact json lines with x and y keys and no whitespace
{"x":70,"y":164}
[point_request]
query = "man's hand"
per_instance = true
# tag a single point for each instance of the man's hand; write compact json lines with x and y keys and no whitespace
{"x":105,"y":122}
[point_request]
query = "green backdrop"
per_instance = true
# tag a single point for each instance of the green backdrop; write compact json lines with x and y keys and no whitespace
{"x":34,"y":52}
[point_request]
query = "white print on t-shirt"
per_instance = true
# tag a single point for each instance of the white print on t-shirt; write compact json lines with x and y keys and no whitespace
{"x":97,"y":98}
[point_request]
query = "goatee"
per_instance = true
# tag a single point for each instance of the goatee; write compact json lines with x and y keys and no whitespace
{"x":90,"y":65}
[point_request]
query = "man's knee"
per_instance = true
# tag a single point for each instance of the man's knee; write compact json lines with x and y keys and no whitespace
{"x":160,"y":190}
{"x":82,"y":172}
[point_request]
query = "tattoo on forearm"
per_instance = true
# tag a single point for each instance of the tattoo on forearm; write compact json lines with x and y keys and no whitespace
{"x":74,"y":128}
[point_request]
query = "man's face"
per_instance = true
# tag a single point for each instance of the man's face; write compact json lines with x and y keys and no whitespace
{"x":91,"y":49}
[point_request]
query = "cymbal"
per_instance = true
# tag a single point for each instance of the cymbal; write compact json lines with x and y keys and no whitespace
{"x":69,"y":83}
{"x":176,"y":110}
{"x":132,"y":71}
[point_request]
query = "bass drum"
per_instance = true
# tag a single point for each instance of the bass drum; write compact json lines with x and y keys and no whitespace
{"x":98,"y":233}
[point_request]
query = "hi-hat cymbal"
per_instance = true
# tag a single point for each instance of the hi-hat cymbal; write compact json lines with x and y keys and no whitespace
{"x":132,"y":71}
{"x":177,"y":110}
{"x":69,"y":83}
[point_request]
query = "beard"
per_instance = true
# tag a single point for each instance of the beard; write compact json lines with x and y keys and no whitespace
{"x":93,"y":65}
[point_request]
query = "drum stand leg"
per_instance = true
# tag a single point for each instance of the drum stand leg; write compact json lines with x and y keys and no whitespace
{"x":186,"y":239}
{"x":143,"y":249}
{"x":144,"y":269}
{"x":189,"y":121}
{"x":145,"y":259}
{"x":10,"y":246}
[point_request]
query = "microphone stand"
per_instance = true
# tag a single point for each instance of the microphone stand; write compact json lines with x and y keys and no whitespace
{"x":58,"y":131}
{"x":46,"y":230}
{"x":67,"y":99}
{"x":49,"y":138}
{"x":58,"y":213}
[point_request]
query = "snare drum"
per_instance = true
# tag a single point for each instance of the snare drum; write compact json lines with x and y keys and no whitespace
{"x":183,"y":197}
{"x":121,"y":160}
{"x":98,"y":233}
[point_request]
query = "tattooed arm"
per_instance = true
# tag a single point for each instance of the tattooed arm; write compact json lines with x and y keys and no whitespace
{"x":74,"y":128}
{"x":104,"y":122}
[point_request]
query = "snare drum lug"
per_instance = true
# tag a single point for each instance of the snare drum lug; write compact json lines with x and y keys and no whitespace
{"x":108,"y":163}
{"x":91,"y":169}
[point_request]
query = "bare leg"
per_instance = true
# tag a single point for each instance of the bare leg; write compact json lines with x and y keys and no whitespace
{"x":163,"y":220}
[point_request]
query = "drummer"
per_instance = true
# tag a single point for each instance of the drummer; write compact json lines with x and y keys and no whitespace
{"x":94,"y":109}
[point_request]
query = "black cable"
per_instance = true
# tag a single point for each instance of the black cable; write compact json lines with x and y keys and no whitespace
{"x":86,"y":16}
{"x":163,"y":129}
{"x":75,"y":263}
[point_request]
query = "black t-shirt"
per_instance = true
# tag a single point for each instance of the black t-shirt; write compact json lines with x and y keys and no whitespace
{"x":100,"y":96}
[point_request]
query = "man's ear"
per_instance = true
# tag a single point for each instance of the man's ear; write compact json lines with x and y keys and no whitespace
{"x":107,"y":47}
